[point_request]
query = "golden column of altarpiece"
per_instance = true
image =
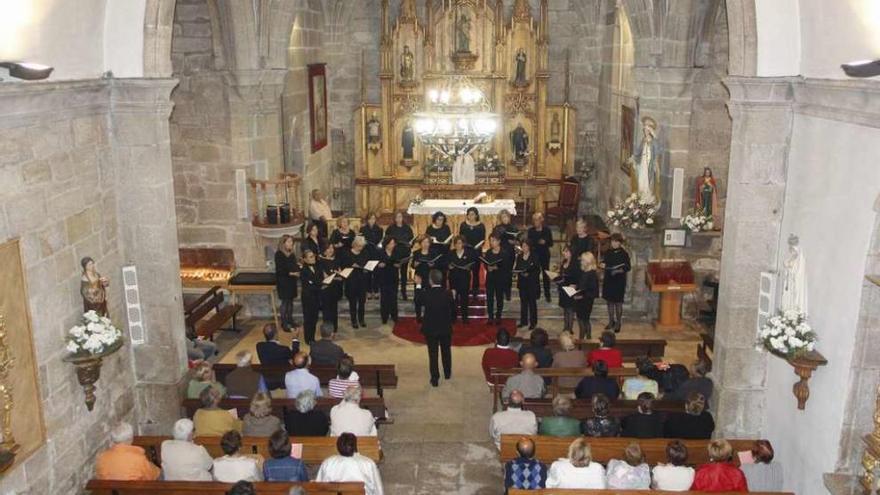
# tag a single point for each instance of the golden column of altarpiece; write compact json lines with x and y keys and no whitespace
{"x":505,"y":55}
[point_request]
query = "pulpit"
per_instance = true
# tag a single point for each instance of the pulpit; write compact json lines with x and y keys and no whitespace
{"x":671,"y":279}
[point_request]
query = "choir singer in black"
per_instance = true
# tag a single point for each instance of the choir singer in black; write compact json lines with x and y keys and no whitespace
{"x":495,"y":278}
{"x":403,"y":234}
{"x":527,"y":270}
{"x":473,"y":232}
{"x":437,"y":328}
{"x":542,"y":240}
{"x":387,"y":274}
{"x":461,"y":261}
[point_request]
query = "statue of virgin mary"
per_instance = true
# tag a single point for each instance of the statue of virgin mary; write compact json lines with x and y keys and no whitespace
{"x":645,"y":164}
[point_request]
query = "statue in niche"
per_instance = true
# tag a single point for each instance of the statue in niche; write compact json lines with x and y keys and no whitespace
{"x":408,"y":141}
{"x":707,"y":194}
{"x":374,"y":133}
{"x":794,"y":282}
{"x":407,"y":73}
{"x":463,"y":34}
{"x":521,"y":58}
{"x":555,"y":129}
{"x":519,"y":140}
{"x":93,"y":288}
{"x":645,"y":165}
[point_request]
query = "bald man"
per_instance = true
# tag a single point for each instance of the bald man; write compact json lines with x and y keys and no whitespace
{"x":513,"y":420}
{"x":525,"y":472}
{"x":530,"y":384}
{"x":299,"y":379}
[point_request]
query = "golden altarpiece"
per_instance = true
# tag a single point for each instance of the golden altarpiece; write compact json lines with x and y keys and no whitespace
{"x":504,"y":55}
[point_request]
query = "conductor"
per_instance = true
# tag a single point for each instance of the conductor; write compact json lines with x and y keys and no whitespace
{"x":437,"y":326}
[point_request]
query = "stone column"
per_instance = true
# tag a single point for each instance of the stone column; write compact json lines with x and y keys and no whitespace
{"x":762,"y":113}
{"x":140,"y":109}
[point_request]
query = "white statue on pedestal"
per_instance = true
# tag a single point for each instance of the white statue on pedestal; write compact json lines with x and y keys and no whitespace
{"x":463,"y":171}
{"x":794,"y":278}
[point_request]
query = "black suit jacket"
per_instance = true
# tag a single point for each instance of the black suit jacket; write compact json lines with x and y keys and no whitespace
{"x":273,"y":353}
{"x":439,"y":312}
{"x":326,"y":352}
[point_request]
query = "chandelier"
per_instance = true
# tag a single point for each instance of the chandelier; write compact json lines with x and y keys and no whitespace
{"x":458,"y":119}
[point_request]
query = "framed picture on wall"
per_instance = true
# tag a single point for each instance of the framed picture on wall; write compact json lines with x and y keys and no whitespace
{"x":318,"y":105}
{"x":627,"y":137}
{"x":674,"y":238}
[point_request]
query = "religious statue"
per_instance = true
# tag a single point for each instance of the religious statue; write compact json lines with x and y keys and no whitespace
{"x":555,"y":129}
{"x":406,"y":64}
{"x":644,"y":163}
{"x":519,"y":140}
{"x":374,"y":130}
{"x":93,"y":288}
{"x":463,"y":34}
{"x":464,"y":170}
{"x":707,"y":193}
{"x":794,"y":282}
{"x":408,"y":141}
{"x":521,"y":58}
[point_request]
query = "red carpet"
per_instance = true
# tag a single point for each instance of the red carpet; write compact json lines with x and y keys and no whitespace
{"x":476,"y":332}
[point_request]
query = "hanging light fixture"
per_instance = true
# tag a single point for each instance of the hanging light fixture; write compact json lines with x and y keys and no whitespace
{"x":458,"y":119}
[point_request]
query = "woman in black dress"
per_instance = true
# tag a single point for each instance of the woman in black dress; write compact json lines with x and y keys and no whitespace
{"x":461,"y":262}
{"x":495,"y":277}
{"x":330,"y":293}
{"x":403,"y":234}
{"x":357,"y":282}
{"x":569,"y":275}
{"x":387,"y":274}
{"x":311,"y":279}
{"x":423,"y":261}
{"x":441,"y":236}
{"x":527,"y":269}
{"x":287,"y":269}
{"x":342,"y":237}
{"x":582,"y":241}
{"x":542,"y":240}
{"x":372,"y":233}
{"x":616,"y":264}
{"x":473,"y":232}
{"x":587,"y":292}
{"x":313,"y":241}
{"x":509,"y":234}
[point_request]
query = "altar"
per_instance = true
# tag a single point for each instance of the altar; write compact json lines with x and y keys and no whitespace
{"x":456,"y":211}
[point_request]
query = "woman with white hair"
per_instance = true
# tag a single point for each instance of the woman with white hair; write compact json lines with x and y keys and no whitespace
{"x":347,"y":416}
{"x":124,"y":461}
{"x":260,"y":422}
{"x":305,"y":420}
{"x":569,"y":357}
{"x":183,"y":460}
{"x":203,"y":377}
{"x":357,"y":282}
{"x":578,"y":470}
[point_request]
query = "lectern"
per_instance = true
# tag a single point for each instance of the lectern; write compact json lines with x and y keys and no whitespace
{"x":670,"y":278}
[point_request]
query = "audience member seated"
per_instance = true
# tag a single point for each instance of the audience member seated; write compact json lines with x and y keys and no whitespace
{"x":325,"y":351}
{"x":578,"y":471}
{"x":305,"y":420}
{"x":631,"y":473}
{"x":513,"y":420}
{"x":271,"y":352}
{"x":283,"y":467}
{"x":599,"y":383}
{"x":606,"y":352}
{"x":260,"y":422}
{"x":345,"y":377}
{"x":668,"y":376}
{"x":348,"y":465}
{"x":232,"y":466}
{"x":526,"y":381}
{"x":243,"y":382}
{"x":762,"y":474}
{"x":675,"y":475}
{"x":525,"y":472}
{"x":198,"y":349}
{"x":320,"y":212}
{"x":719,"y":475}
{"x":634,"y":386}
{"x":537,"y":347}
{"x":602,"y":424}
{"x":500,"y":356}
{"x":568,"y":357}
{"x":698,"y":383}
{"x":695,"y":422}
{"x":644,"y":423}
{"x":182,"y":460}
{"x":203,"y":376}
{"x":242,"y":488}
{"x":347,"y":416}
{"x":124,"y":461}
{"x":300,"y":379}
{"x":561,"y":424}
{"x":210,"y":420}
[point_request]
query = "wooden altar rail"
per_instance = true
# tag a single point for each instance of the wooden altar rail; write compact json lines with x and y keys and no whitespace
{"x":115,"y":487}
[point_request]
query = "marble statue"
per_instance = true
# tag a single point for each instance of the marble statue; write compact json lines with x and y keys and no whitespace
{"x":406,"y":64}
{"x":644,"y":163}
{"x":93,"y":288}
{"x":555,"y":129}
{"x":408,"y":141}
{"x":519,"y":140}
{"x":794,"y":278}
{"x":707,"y":193}
{"x":520,"y":67}
{"x":374,"y":129}
{"x":463,"y":34}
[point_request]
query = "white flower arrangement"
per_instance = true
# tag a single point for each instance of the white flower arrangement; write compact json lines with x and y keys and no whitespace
{"x":697,"y":220}
{"x":635,"y":212}
{"x":94,"y":335}
{"x":787,"y":334}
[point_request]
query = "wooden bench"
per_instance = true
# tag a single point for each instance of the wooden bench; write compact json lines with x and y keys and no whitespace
{"x":563,"y":491}
{"x":315,"y":449}
{"x":629,"y":348}
{"x":380,"y":376}
{"x":582,"y":408}
{"x":376,"y":406}
{"x":112,"y":487}
{"x":549,"y":449}
{"x":499,"y":377}
{"x":195,"y":314}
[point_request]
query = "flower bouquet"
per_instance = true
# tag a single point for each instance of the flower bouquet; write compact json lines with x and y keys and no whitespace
{"x":787,"y":334}
{"x":94,"y":336}
{"x":634,"y":212}
{"x":697,"y":220}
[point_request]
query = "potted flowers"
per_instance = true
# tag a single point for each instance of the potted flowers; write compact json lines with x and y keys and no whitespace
{"x":87,"y":345}
{"x":789,"y":336}
{"x":697,"y":221}
{"x":634,"y":212}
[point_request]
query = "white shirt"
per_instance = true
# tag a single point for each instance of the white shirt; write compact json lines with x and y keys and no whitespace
{"x":230,"y":469}
{"x":512,"y":422}
{"x":185,"y":461}
{"x":349,"y":417}
{"x":673,"y":478}
{"x":318,"y":209}
{"x":339,"y":469}
{"x":562,"y":474}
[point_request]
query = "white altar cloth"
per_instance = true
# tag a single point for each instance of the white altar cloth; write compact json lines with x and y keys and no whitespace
{"x":460,"y":206}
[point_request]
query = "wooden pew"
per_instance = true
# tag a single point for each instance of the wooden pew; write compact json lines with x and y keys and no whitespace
{"x":376,"y":406}
{"x":500,"y":375}
{"x":629,"y":348}
{"x":108,"y":487}
{"x":582,"y":408}
{"x":196,"y":313}
{"x":563,"y":491}
{"x":315,"y":449}
{"x":549,"y":449}
{"x":380,"y":376}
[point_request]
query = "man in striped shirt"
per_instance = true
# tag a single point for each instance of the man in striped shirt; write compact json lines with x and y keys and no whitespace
{"x":345,"y":377}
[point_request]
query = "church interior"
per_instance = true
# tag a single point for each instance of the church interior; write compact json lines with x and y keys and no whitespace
{"x":536,"y":187}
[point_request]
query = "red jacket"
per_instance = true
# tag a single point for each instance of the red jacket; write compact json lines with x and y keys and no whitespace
{"x":719,"y":477}
{"x":612,"y":357}
{"x":499,"y":358}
